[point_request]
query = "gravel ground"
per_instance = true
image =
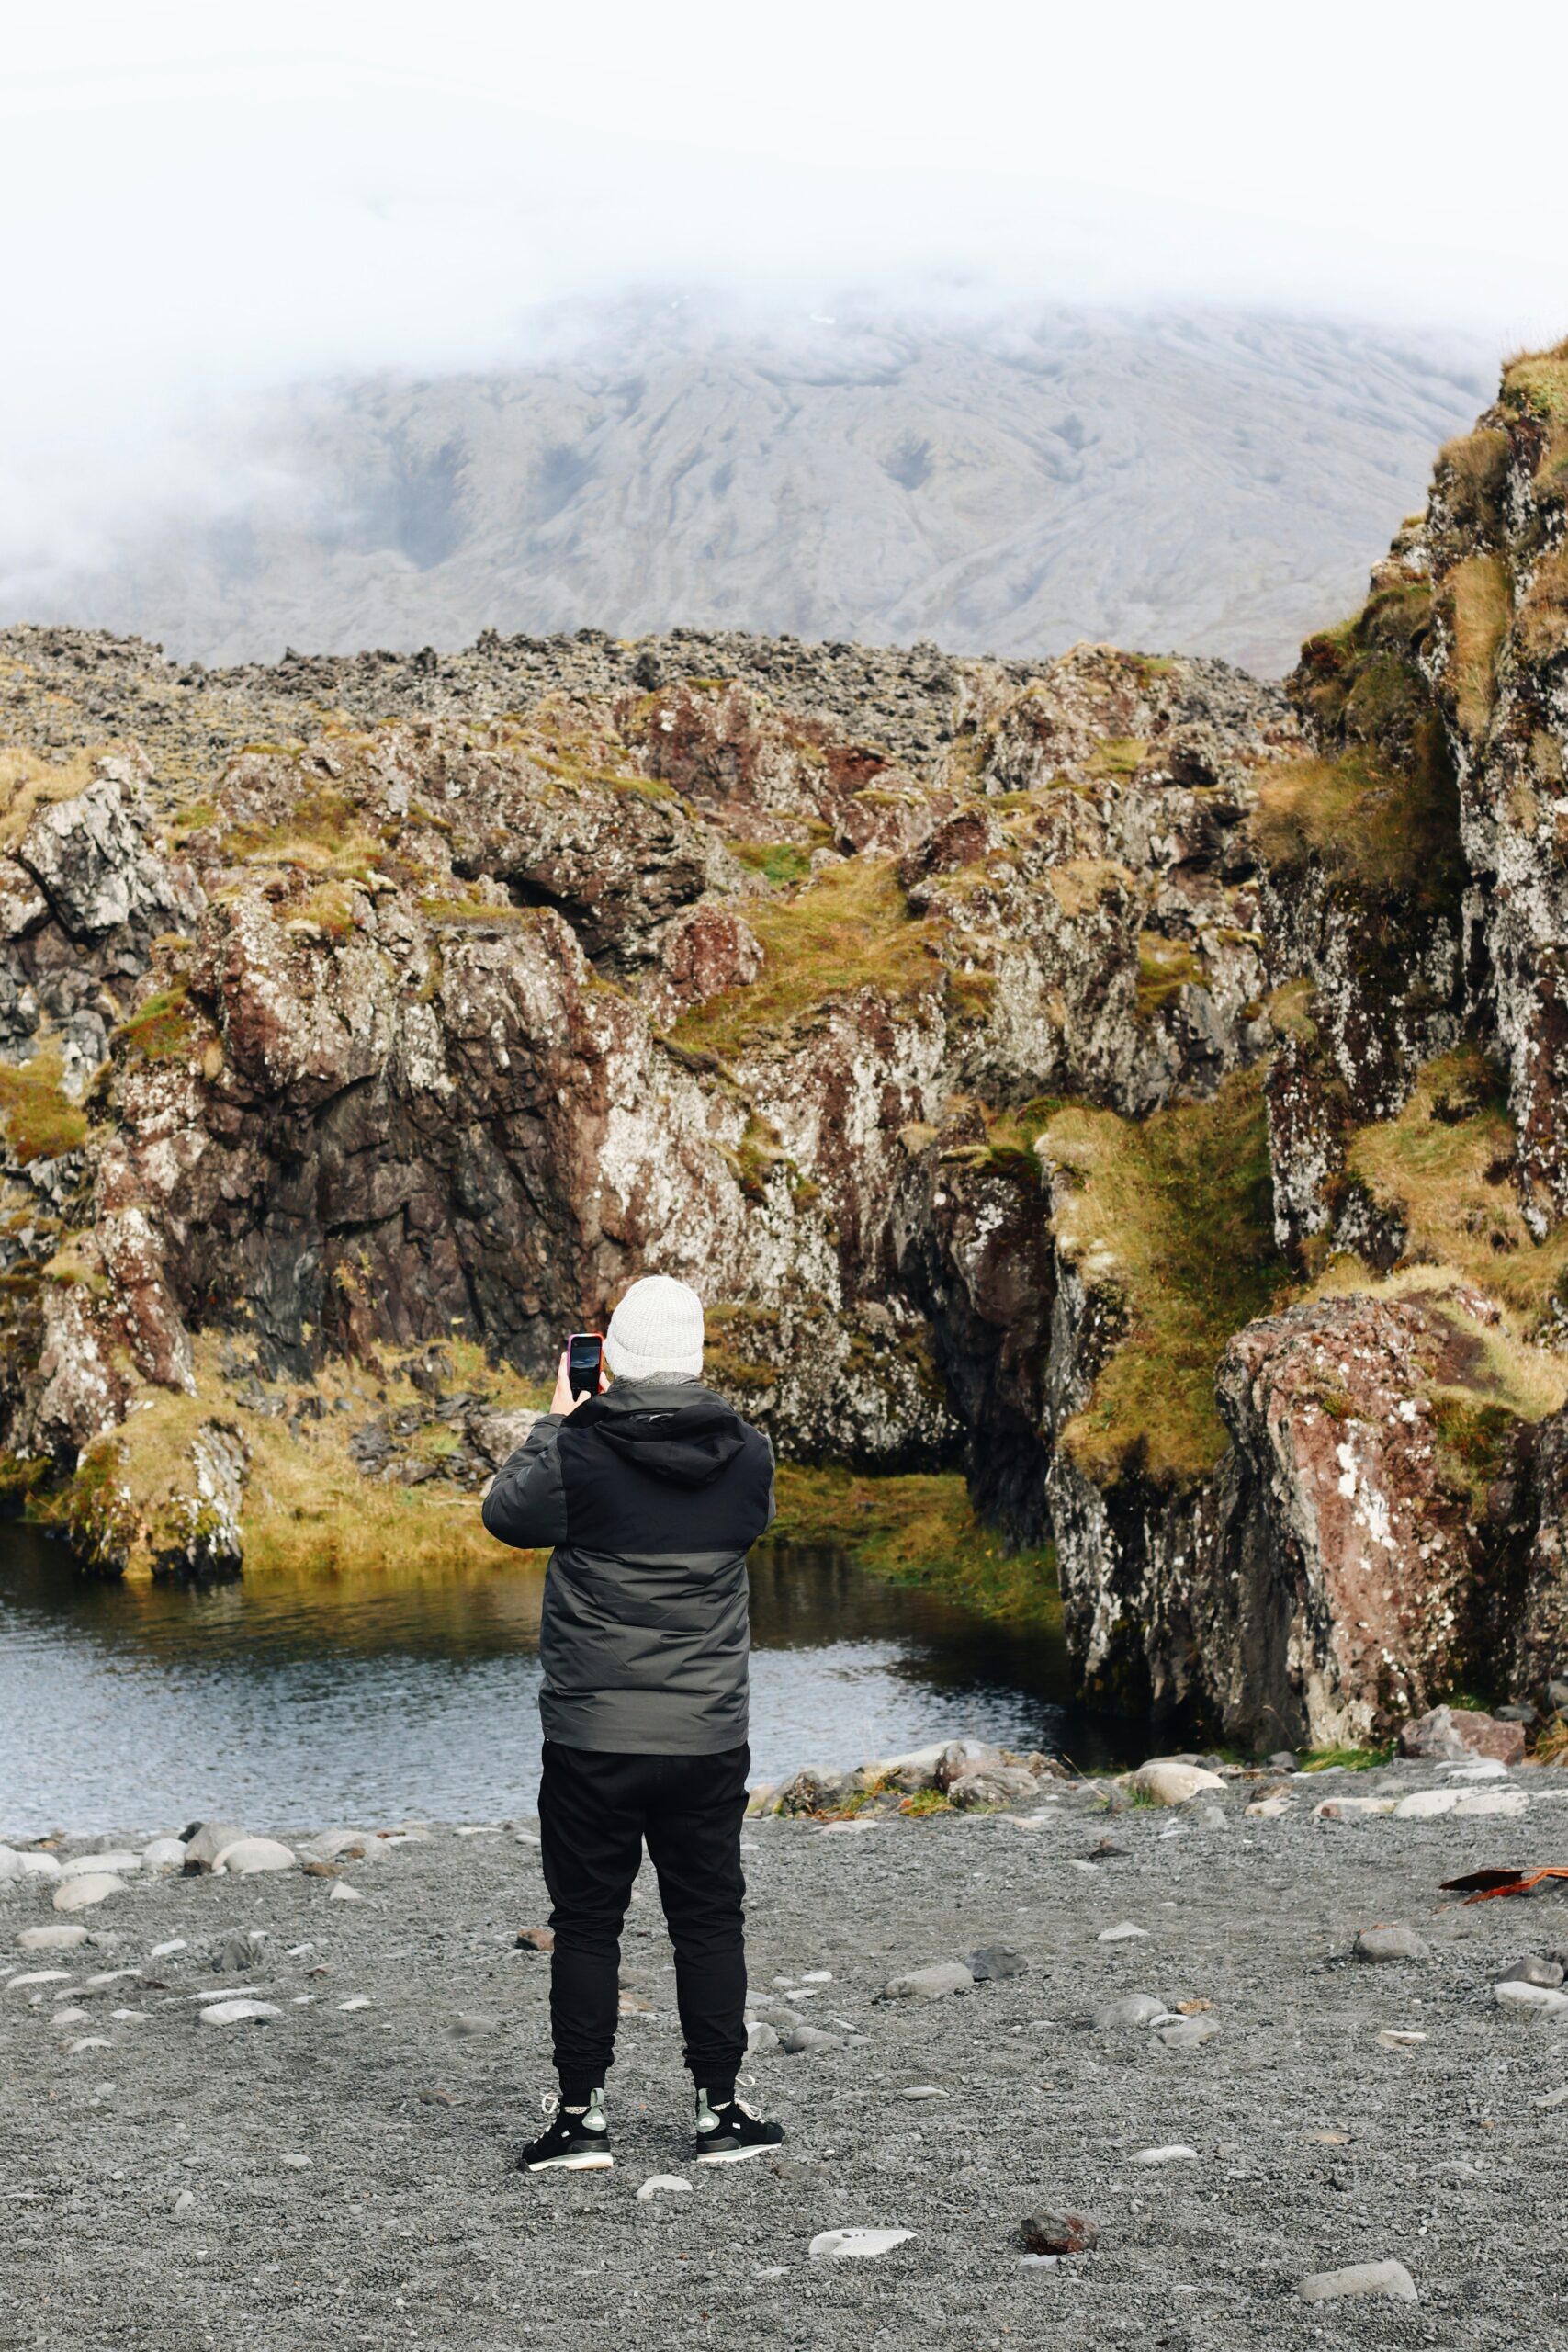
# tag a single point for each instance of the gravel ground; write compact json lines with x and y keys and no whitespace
{"x":150,"y":2198}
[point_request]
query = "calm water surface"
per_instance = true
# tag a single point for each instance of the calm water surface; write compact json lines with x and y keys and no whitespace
{"x":303,"y":1702}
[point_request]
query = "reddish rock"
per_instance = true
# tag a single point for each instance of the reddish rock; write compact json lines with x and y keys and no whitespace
{"x":1449,"y":1735}
{"x":1064,"y":2233}
{"x":705,"y":953}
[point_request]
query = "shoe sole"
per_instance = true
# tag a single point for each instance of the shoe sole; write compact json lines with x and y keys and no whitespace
{"x":592,"y":2159}
{"x":739,"y":2156}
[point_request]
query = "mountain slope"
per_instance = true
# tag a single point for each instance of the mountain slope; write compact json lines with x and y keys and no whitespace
{"x":1205,"y":482}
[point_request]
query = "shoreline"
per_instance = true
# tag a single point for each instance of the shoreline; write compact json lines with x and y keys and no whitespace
{"x":340,"y":2172}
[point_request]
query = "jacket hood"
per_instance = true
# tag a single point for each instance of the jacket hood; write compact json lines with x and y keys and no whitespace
{"x":684,"y":1437}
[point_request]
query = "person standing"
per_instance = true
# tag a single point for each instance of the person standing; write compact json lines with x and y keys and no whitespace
{"x":652,"y":1493}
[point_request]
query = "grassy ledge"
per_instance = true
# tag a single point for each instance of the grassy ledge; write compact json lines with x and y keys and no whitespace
{"x":1174,"y":1216}
{"x":850,"y":929}
{"x":918,"y":1528}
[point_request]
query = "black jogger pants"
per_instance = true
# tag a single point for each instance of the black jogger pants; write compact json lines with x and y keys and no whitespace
{"x":595,"y":1810}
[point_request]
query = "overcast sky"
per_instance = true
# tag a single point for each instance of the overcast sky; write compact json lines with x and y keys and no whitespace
{"x":202,"y":200}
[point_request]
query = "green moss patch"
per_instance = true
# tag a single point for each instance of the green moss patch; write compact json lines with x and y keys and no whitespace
{"x":162,"y":1029}
{"x":918,"y":1528}
{"x":1174,"y":1217}
{"x":38,"y":1120}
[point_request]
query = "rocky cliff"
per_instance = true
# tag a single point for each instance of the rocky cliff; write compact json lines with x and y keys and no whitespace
{"x":1134,"y":1082}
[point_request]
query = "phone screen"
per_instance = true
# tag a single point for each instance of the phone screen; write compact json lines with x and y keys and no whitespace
{"x":584,"y":1354}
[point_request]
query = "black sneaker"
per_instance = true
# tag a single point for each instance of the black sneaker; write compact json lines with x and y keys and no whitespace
{"x":576,"y":2139}
{"x":728,"y":2133}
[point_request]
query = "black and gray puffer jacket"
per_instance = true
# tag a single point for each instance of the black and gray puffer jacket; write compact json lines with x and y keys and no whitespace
{"x":651,"y":1494}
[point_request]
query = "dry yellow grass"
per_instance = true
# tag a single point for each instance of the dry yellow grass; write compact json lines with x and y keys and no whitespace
{"x":309,"y":1510}
{"x":851,"y":929}
{"x":1079,"y":884}
{"x":1476,"y":469}
{"x":1378,"y":829}
{"x":30,"y":782}
{"x":1172,"y":1214}
{"x":1526,"y":1382}
{"x":38,"y":1120}
{"x":1542,"y":625}
{"x":1480,"y":596}
{"x":1445,"y":1166}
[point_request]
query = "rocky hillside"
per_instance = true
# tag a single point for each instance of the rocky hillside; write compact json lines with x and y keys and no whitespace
{"x":1012,"y":482}
{"x":1135,"y":1083}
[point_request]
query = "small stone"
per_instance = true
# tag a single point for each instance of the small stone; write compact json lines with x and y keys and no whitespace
{"x":1394,"y":2037}
{"x":467,"y":2022}
{"x":1169,"y":1779}
{"x":1536,"y":2000}
{"x":841,"y":2245}
{"x":165,"y":1950}
{"x":1426,"y":1805}
{"x":89,"y":2042}
{"x":1518,"y":1712}
{"x":1123,"y":1934}
{"x":240,"y":2012}
{"x":930,"y":1984}
{"x":321,"y":1869}
{"x":1284,"y":1759}
{"x":1557,"y":1695}
{"x":241,"y":1951}
{"x":81,"y":1893}
{"x":1534,"y":1970}
{"x":296,"y":2163}
{"x":328,"y":1843}
{"x":184,"y":2205}
{"x":246,"y":1857}
{"x":1058,"y":2233}
{"x":343,"y":1893}
{"x":1506,"y":1803}
{"x":1188,"y":2033}
{"x":36,"y":1865}
{"x":206,"y":1840}
{"x":1395,"y":1942}
{"x":1176,"y":2153}
{"x":68,"y":2017}
{"x":65,"y":1936}
{"x":961,"y":1756}
{"x":1132,"y":2009}
{"x":801,"y":2039}
{"x":996,"y":1965}
{"x":923,"y":2090}
{"x":991,"y":1785}
{"x":662,"y":2183}
{"x":761,"y":2038}
{"x":1360,"y":2279}
{"x":1553,"y":2098}
{"x":115,"y":1865}
{"x":537,"y":1939}
{"x":356,"y":2001}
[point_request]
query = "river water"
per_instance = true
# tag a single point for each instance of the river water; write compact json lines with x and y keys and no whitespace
{"x":309,"y":1702}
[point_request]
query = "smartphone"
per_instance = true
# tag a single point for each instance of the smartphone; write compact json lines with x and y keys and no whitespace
{"x":584,"y":1358}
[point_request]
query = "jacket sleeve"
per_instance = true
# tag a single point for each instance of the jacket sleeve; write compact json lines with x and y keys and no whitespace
{"x":525,"y":1504}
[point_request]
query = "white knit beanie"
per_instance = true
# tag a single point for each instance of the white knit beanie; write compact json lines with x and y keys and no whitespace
{"x":657,"y":1327}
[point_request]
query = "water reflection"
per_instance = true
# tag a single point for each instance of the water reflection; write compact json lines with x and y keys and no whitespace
{"x":297,"y":1703}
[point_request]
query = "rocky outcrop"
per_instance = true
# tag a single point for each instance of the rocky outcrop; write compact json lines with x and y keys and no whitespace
{"x":1086,"y":1075}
